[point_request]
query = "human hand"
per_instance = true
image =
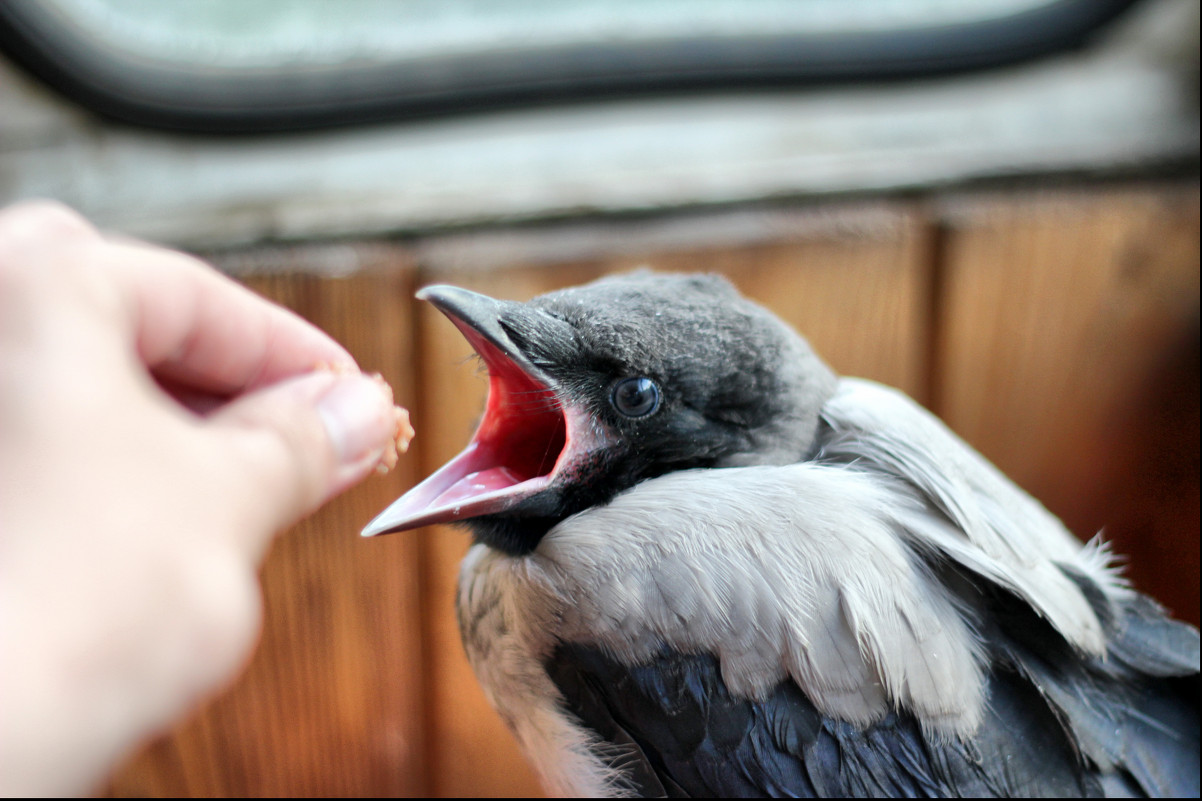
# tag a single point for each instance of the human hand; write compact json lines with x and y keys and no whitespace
{"x":158,"y":424}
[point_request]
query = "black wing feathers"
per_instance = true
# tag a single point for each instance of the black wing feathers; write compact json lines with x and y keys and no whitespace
{"x":589,"y":701}
{"x":702,"y":742}
{"x":1133,"y":714}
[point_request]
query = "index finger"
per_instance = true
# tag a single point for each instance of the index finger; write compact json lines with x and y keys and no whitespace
{"x":199,"y":329}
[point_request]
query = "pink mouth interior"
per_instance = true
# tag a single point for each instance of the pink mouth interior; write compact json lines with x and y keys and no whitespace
{"x":521,"y":441}
{"x":521,"y":437}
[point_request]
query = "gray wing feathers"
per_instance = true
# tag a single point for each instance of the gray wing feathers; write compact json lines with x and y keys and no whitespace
{"x":991,"y":527}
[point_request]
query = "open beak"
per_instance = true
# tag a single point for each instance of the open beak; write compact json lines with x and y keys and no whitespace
{"x":528,"y":439}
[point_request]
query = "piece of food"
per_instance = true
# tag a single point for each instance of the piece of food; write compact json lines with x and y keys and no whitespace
{"x":402,"y":433}
{"x":402,"y":429}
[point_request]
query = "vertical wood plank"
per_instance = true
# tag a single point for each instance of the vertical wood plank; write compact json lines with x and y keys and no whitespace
{"x":1060,"y":307}
{"x":332,"y":701}
{"x":854,"y":282}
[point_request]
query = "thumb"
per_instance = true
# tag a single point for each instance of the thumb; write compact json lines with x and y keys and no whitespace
{"x":293,"y":445}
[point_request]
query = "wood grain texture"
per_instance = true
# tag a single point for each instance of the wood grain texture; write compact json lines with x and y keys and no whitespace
{"x":855,"y":283}
{"x":1060,"y":310}
{"x":332,"y":701}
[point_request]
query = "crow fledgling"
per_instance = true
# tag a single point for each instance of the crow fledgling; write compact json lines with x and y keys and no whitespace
{"x":706,"y":566}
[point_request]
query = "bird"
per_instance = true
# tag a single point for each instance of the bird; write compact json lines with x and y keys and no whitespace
{"x":703,"y":564}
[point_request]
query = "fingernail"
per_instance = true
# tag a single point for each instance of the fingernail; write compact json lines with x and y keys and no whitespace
{"x":357,"y":417}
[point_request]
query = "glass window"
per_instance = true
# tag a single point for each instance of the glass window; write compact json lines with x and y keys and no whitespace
{"x":272,"y":64}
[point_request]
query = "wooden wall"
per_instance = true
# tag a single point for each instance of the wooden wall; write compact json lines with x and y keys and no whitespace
{"x":1054,"y":329}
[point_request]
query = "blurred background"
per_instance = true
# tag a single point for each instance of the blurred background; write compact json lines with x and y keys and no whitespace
{"x":993,"y":205}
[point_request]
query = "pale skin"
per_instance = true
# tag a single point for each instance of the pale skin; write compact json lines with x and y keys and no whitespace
{"x":132,"y":517}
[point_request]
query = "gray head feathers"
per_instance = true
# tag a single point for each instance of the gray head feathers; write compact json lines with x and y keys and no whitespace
{"x":726,"y":361}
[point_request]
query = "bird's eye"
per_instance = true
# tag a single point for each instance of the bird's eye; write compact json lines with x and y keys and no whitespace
{"x":636,"y":397}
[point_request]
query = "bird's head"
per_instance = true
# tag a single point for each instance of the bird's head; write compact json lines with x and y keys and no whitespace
{"x":596,"y":388}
